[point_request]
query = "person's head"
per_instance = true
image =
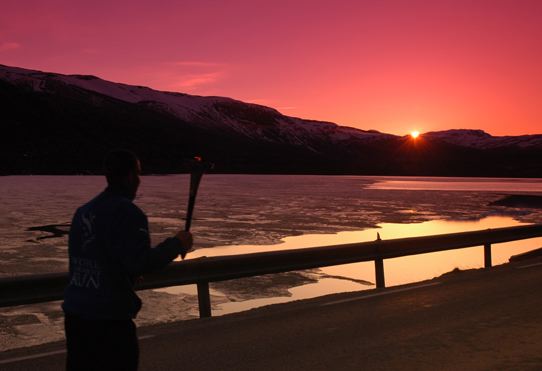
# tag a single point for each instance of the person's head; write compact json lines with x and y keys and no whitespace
{"x":122,"y":170}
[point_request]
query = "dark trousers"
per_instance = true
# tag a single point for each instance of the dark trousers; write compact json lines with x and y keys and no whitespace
{"x":100,"y":344}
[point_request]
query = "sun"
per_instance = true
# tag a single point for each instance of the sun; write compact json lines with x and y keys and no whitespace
{"x":414,"y":134}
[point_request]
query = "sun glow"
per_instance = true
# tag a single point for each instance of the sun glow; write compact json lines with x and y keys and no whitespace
{"x":415,"y":134}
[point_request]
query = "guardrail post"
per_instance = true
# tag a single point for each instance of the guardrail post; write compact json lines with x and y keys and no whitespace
{"x":204,"y":300}
{"x":487,"y":255}
{"x":379,"y":273}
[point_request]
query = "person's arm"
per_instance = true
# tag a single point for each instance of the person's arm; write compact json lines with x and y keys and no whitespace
{"x":133,"y":246}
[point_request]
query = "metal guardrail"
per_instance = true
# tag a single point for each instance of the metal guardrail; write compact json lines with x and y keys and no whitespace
{"x":41,"y":288}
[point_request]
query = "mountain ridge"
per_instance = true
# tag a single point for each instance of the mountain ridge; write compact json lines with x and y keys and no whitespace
{"x":187,"y":107}
{"x":72,"y":112}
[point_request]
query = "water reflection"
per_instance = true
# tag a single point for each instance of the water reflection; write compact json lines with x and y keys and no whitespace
{"x":385,"y":230}
{"x":397,"y":271}
{"x":508,"y":185}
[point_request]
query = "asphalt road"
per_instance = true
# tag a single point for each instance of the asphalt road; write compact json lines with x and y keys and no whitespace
{"x":475,"y":320}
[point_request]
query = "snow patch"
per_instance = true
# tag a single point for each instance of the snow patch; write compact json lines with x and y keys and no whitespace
{"x":482,"y":140}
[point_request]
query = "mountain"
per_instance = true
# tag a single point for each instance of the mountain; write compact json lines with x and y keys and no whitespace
{"x":64,"y":124}
{"x":216,"y":114}
{"x":482,"y":140}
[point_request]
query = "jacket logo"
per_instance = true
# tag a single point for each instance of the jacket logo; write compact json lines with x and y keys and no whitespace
{"x":87,"y":230}
{"x":85,"y":273}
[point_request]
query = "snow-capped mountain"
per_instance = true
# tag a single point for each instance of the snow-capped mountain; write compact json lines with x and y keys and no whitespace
{"x":214,"y":113}
{"x":482,"y":140}
{"x":64,"y":124}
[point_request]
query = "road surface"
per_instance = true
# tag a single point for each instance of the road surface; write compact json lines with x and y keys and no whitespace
{"x":474,"y":320}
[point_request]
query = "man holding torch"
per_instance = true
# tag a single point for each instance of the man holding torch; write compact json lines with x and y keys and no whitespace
{"x":109,"y":248}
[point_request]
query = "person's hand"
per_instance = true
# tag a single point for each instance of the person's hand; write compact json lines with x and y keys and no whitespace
{"x":186,"y":242}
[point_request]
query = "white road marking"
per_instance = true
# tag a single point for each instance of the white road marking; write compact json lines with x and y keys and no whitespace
{"x":387,"y":292}
{"x":33,"y":356}
{"x":146,"y":337}
{"x":53,"y":353}
{"x":530,"y":265}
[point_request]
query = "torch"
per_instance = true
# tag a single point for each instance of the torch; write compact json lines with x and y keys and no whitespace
{"x":198,"y":167}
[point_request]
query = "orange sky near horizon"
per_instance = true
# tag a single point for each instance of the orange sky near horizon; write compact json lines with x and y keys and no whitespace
{"x":389,"y":65}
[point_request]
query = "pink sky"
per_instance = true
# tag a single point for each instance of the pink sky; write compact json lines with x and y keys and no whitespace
{"x":389,"y":65}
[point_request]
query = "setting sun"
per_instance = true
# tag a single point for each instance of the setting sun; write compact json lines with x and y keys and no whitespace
{"x":414,"y":134}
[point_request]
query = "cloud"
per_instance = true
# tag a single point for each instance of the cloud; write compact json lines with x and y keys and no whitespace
{"x":194,"y":75}
{"x":7,"y":46}
{"x":198,"y":79}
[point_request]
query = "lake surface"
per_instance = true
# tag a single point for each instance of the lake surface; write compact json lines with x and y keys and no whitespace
{"x":238,"y":214}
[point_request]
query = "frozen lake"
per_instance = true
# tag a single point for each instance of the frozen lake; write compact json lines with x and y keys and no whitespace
{"x":247,"y":213}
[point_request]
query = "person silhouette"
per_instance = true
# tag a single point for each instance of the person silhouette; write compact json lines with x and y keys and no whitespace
{"x":109,"y":248}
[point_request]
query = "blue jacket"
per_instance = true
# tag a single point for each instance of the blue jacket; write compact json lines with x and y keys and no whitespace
{"x":109,"y":247}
